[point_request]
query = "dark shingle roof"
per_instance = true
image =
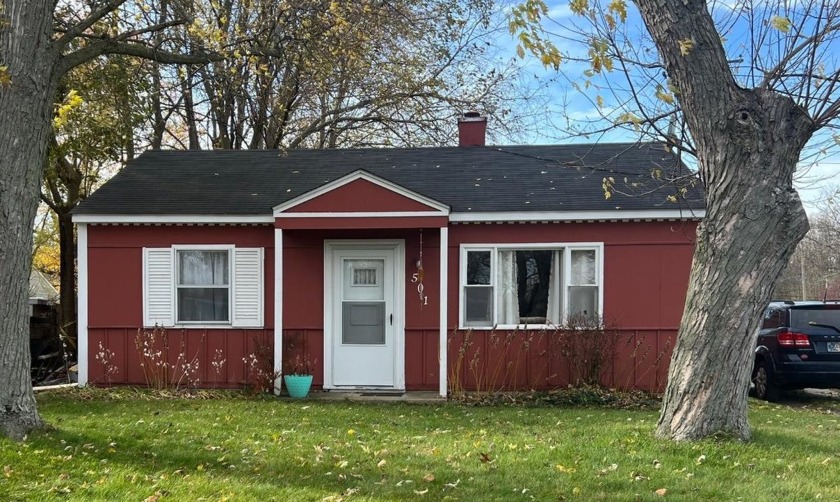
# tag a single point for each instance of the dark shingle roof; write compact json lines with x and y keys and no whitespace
{"x":476,"y":179}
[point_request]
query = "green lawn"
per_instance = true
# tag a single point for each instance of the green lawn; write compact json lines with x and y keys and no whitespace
{"x":128,"y":446}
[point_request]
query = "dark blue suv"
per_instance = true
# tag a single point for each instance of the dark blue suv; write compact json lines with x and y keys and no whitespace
{"x":798,"y":347}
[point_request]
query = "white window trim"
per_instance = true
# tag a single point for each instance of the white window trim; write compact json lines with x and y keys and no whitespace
{"x":252,"y":320}
{"x":230,"y":285}
{"x":494,"y":249}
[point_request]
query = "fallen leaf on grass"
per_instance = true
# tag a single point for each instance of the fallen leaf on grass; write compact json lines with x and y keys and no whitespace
{"x":453,"y":485}
{"x":421,"y":492}
{"x":429,"y":478}
{"x":661,"y":492}
{"x":381,"y":463}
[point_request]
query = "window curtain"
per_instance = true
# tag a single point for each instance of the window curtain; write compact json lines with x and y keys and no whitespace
{"x":508,"y":289}
{"x":555,"y":291}
{"x":203,"y":268}
{"x":583,"y":268}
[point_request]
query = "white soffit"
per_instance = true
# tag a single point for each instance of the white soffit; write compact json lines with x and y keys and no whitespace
{"x":439,"y":209}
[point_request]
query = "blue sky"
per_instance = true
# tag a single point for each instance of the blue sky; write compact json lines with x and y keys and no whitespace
{"x":565,"y":103}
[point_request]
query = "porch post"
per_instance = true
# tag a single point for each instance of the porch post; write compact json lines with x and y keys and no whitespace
{"x":444,"y":286}
{"x":278,"y":307}
{"x":82,"y":314}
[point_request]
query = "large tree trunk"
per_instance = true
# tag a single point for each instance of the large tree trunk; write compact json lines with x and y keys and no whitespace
{"x":754,"y":219}
{"x":748,"y":143}
{"x":25,"y":111}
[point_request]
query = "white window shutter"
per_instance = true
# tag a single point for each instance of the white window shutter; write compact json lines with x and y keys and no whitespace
{"x":158,"y":287}
{"x":248,"y":287}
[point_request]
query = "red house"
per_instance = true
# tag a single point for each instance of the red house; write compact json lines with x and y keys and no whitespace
{"x":394,"y":269}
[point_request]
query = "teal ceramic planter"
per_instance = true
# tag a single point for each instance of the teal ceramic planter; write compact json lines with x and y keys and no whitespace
{"x":298,"y":385}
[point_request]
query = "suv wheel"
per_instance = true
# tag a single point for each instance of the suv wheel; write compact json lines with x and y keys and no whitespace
{"x":764,"y":386}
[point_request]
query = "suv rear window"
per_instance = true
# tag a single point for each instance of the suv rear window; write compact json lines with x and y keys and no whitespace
{"x":799,"y":318}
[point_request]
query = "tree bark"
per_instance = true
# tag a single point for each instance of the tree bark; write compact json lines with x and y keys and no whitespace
{"x":748,"y":143}
{"x":25,"y":112}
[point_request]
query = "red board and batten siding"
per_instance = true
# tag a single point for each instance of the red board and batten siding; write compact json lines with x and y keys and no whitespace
{"x":115,"y":285}
{"x":646,"y":274}
{"x":646,"y":268}
{"x":359,"y":195}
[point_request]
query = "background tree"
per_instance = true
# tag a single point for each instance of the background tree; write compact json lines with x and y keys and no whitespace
{"x":93,"y":134}
{"x":344,"y":74}
{"x":814,"y":269}
{"x":741,"y":89}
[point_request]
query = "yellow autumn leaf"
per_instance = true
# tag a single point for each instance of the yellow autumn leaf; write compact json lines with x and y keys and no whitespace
{"x":665,"y":96}
{"x":599,"y":101}
{"x":5,"y":76}
{"x":579,"y":7}
{"x":780,"y":23}
{"x":686,"y":45}
{"x":619,"y":7}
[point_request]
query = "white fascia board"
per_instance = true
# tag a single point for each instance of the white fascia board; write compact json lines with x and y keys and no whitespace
{"x":158,"y":219}
{"x":362,"y":175}
{"x":639,"y":214}
{"x":364,"y":214}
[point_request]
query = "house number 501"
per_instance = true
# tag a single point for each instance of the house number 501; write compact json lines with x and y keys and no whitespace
{"x":418,"y":278}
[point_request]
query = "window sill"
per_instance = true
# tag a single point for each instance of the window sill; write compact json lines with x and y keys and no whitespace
{"x":510,"y":327}
{"x":204,"y":326}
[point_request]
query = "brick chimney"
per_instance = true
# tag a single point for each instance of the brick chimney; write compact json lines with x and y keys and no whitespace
{"x":472,"y":128}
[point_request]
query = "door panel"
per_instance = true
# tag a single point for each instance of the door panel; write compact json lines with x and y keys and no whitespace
{"x":363,"y":335}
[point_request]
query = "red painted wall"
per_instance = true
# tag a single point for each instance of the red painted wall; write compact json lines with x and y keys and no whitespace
{"x":646,"y":268}
{"x":360,"y":195}
{"x":115,"y":305}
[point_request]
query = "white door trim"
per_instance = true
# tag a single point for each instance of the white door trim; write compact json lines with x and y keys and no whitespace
{"x":337,"y":245}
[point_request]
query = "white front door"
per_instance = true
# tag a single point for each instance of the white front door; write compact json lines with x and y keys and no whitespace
{"x":364,"y":335}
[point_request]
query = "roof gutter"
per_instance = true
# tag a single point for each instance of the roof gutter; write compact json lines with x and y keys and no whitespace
{"x":161,"y":219}
{"x":550,"y":216}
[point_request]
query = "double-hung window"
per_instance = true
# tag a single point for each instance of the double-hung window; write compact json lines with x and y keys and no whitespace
{"x":203,"y":285}
{"x":530,"y":284}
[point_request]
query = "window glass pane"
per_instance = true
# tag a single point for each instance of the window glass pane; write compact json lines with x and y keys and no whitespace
{"x":363,"y":323}
{"x":479,"y":306}
{"x":478,"y":267}
{"x":363,"y":279}
{"x":533,"y":284}
{"x":583,"y":267}
{"x":583,"y":301}
{"x":202,"y":304}
{"x":202,"y":268}
{"x":800,"y":318}
{"x":772,"y":319}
